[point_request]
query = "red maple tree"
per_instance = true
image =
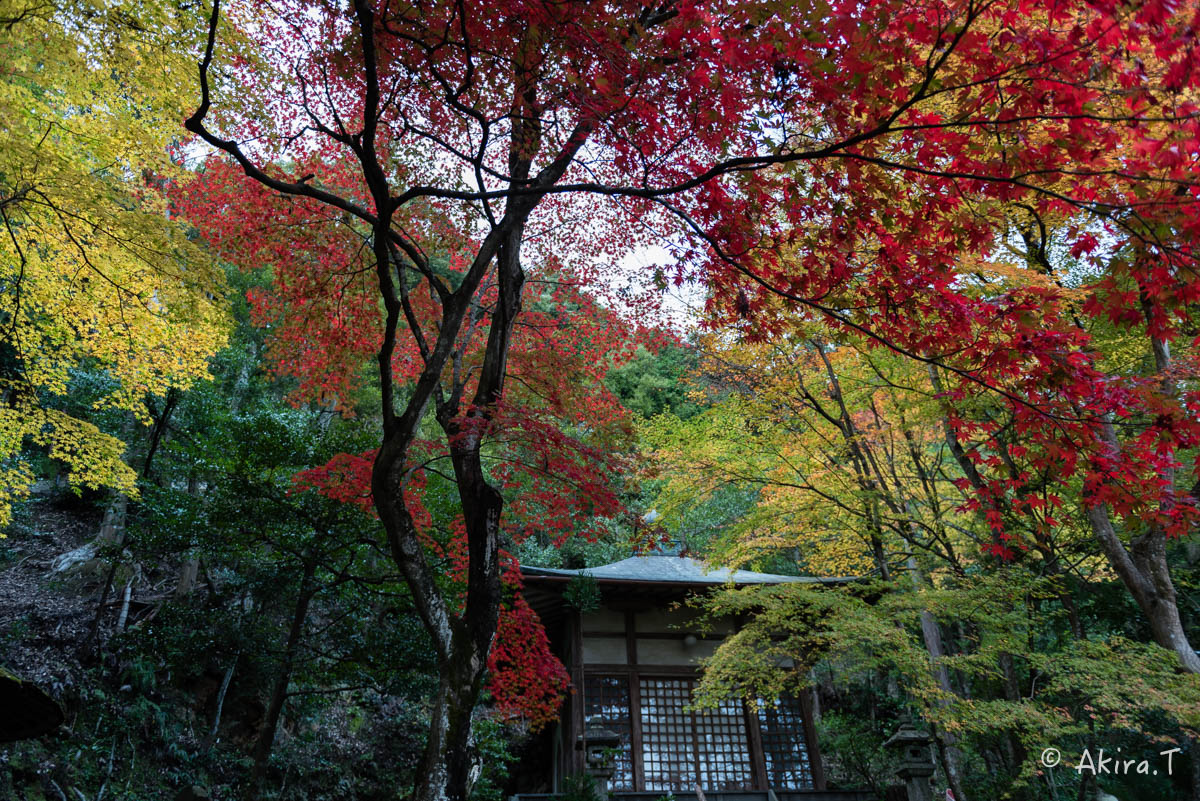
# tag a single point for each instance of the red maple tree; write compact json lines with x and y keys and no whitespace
{"x":554,"y":444}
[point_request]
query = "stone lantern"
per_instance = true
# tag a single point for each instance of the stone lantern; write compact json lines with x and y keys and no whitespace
{"x":599,"y":746}
{"x":916,"y":760}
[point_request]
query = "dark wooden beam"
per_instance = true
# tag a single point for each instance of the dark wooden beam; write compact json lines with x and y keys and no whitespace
{"x":575,"y":756}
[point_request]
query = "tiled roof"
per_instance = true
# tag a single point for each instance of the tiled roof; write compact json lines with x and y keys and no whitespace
{"x":671,"y":569}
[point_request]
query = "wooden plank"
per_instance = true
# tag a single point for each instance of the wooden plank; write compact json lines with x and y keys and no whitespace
{"x":645,"y":670}
{"x":635,"y":701}
{"x":691,"y":685}
{"x":665,"y":635}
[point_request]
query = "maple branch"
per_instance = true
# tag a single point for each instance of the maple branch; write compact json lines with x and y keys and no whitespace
{"x":302,"y":188}
{"x":1101,"y":209}
{"x":195,"y":124}
{"x":18,"y":285}
{"x":410,"y":315}
{"x":833,"y":314}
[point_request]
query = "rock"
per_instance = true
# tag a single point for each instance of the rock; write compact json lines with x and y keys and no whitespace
{"x":30,"y":712}
{"x":193,"y":793}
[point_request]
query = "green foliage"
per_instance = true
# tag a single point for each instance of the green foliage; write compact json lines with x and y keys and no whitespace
{"x":492,"y":739}
{"x":582,"y":593}
{"x":656,"y":383}
{"x":1109,"y":691}
{"x":578,"y":552}
{"x":581,"y":787}
{"x":853,"y":750}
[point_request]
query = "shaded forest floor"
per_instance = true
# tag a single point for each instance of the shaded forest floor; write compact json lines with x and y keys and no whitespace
{"x":44,"y":619}
{"x":121,"y":726}
{"x":147,"y":720}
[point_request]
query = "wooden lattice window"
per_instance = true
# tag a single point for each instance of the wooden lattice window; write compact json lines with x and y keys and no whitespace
{"x":724,"y":747}
{"x":606,"y":706}
{"x":785,"y":745}
{"x":668,"y":737}
{"x":681,"y":748}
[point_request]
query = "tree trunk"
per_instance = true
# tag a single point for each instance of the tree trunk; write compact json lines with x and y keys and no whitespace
{"x":112,"y":533}
{"x":188,"y":573}
{"x":1015,"y":752}
{"x":932,"y":635}
{"x":1143,"y":570}
{"x":461,"y":640}
{"x":279,"y":693}
{"x":451,"y":762}
{"x":1143,"y":566}
{"x":225,"y":680}
{"x":190,"y":568}
{"x":123,"y":617}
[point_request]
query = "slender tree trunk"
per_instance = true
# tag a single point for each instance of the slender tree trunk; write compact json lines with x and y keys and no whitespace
{"x":873,"y":481}
{"x":279,"y":693}
{"x":112,"y":528}
{"x":190,"y":568}
{"x":126,"y":597}
{"x":225,"y":680}
{"x":159,"y":429}
{"x":1014,"y":750}
{"x":932,"y":636}
{"x":112,"y":533}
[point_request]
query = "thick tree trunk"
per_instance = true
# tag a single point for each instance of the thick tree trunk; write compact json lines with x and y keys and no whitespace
{"x":189,"y":571}
{"x":1142,"y":567}
{"x":451,"y":763}
{"x":112,"y":532}
{"x":1143,"y":570}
